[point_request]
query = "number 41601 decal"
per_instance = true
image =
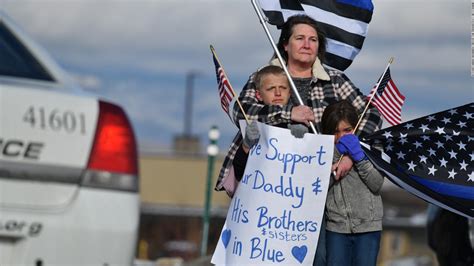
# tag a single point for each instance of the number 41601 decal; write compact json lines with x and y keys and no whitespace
{"x":55,"y":119}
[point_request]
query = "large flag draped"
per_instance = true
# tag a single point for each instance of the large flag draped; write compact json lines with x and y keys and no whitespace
{"x":345,"y":23}
{"x":388,"y":99}
{"x":431,"y":157}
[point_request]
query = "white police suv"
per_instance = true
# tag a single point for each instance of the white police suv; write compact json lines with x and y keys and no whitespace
{"x":68,"y":165}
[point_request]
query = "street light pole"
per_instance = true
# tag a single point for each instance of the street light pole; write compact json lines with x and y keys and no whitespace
{"x":212,"y":151}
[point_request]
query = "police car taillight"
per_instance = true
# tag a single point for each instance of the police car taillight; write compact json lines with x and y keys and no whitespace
{"x":113,"y":158}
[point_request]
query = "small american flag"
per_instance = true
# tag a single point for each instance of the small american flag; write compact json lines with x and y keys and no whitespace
{"x":388,"y":100}
{"x":431,"y":157}
{"x":226,"y":93}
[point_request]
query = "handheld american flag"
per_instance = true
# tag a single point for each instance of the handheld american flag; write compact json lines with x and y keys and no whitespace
{"x":226,"y":93}
{"x":345,"y":23}
{"x":431,"y":157}
{"x":388,"y":99}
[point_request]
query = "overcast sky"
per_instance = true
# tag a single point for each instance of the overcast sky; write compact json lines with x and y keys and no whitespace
{"x":137,"y":53}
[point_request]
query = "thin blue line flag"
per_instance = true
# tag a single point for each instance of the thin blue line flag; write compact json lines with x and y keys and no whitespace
{"x":431,"y":157}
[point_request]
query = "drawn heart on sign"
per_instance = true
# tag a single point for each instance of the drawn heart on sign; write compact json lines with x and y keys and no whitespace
{"x":299,"y":252}
{"x":226,"y":237}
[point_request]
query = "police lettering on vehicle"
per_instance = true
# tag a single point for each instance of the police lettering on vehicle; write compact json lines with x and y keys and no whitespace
{"x":14,"y":148}
{"x":32,"y":229}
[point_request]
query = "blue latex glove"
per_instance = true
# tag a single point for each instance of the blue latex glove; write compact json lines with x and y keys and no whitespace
{"x":298,"y":130}
{"x":349,"y":144}
{"x":251,"y":135}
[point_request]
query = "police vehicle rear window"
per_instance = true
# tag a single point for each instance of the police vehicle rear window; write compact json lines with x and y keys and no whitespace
{"x":16,"y":60}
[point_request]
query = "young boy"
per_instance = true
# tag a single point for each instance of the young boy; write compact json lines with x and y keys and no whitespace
{"x":272,"y":89}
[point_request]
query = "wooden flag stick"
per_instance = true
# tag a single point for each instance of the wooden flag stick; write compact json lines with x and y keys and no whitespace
{"x":390,"y":61}
{"x":233,"y":91}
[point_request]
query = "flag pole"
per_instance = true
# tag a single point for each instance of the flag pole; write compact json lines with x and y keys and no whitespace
{"x":282,"y":61}
{"x":390,"y":61}
{"x":233,"y":91}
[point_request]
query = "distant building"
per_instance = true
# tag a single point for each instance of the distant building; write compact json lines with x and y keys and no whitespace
{"x":172,"y":190}
{"x":404,"y":239}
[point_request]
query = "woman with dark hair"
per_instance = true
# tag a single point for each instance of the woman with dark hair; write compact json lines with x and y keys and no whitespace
{"x":353,"y":205}
{"x":303,"y":45}
{"x":287,"y":31}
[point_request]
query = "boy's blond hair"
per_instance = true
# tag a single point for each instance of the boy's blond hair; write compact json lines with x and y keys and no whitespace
{"x":264,"y":71}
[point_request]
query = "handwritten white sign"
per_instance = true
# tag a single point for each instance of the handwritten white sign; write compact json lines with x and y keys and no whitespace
{"x":275,"y":215}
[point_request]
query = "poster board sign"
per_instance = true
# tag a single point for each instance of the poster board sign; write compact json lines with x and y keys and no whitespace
{"x":275,"y":215}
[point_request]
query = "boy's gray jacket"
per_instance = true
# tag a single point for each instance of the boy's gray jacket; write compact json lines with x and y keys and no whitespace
{"x":353,"y":204}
